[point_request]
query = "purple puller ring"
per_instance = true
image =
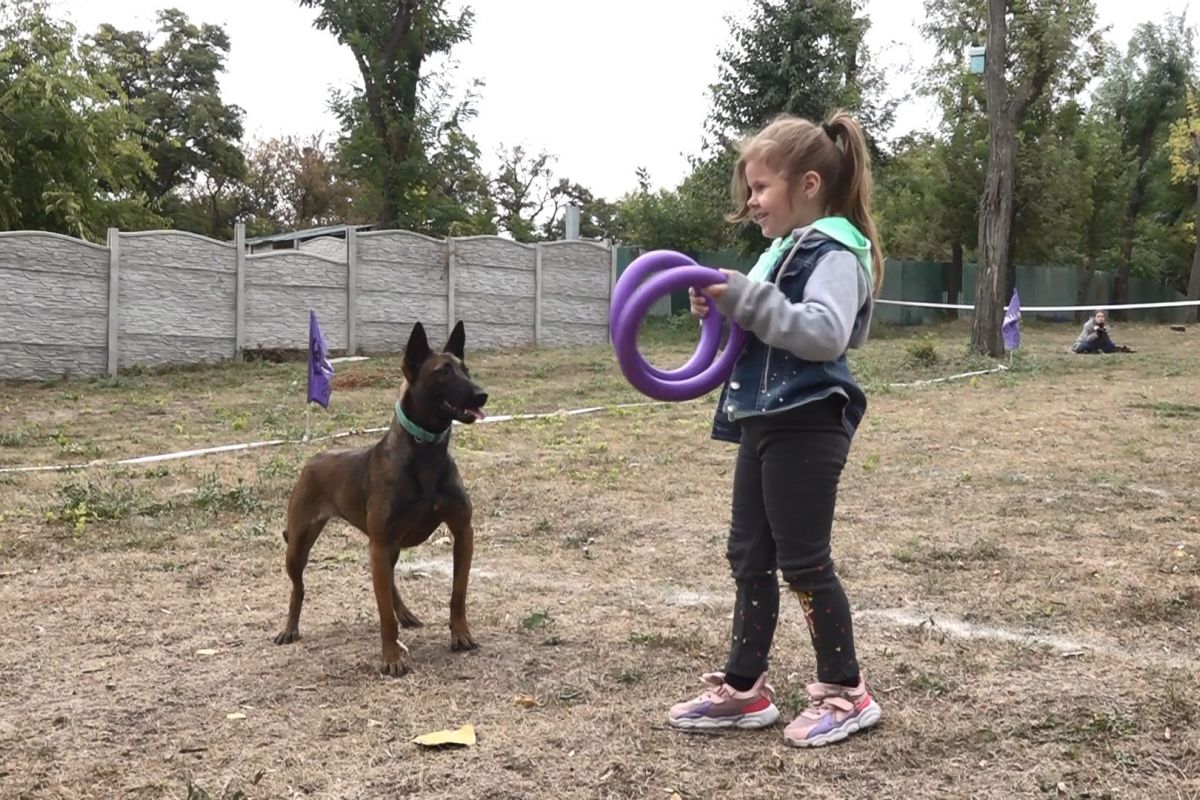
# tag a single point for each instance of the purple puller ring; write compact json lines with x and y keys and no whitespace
{"x":632,"y":299}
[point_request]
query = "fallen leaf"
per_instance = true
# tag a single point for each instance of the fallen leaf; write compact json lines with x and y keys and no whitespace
{"x":1074,"y":654}
{"x":374,"y":723}
{"x":463,"y":736}
{"x":1167,"y":734}
{"x":235,"y":715}
{"x":526,"y":701}
{"x":207,"y":651}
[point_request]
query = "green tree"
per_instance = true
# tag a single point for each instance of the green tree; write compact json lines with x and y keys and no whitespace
{"x":70,"y":160}
{"x":292,"y":184}
{"x":1183,"y":147}
{"x":387,"y":130}
{"x":170,"y":79}
{"x":1102,"y":174}
{"x":803,"y":57}
{"x":685,"y":219}
{"x":597,"y":216}
{"x":1036,"y":49}
{"x":1144,"y":90}
{"x":522,"y":191}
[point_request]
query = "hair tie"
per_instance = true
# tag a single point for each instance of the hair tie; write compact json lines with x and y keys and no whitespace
{"x":829,"y":131}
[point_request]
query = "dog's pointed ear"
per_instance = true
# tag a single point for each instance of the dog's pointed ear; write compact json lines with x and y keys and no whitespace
{"x":457,"y":341}
{"x":415,"y":352}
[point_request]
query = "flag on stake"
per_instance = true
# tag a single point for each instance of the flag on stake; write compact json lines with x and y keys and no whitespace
{"x":320,"y":371}
{"x":1011,"y":329}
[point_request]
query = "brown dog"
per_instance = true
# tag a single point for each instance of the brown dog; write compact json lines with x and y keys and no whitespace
{"x":397,"y":492}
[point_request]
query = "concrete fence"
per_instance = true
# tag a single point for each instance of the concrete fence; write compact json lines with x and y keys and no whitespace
{"x":153,"y":298}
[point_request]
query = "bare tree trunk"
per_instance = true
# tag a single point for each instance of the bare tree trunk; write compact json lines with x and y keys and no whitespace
{"x":995,"y":210}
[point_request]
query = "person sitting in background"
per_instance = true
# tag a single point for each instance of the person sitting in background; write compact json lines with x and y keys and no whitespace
{"x":1096,"y":337}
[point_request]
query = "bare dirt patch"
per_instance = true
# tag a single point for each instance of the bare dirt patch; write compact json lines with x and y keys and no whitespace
{"x":1022,"y":549}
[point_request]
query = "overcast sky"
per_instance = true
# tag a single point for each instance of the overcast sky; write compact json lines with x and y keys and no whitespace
{"x":574,"y":80}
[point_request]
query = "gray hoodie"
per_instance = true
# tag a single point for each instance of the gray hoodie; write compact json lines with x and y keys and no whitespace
{"x":835,"y":313}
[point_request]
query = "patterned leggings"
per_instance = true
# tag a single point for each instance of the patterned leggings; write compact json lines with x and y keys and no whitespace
{"x":784,"y":491}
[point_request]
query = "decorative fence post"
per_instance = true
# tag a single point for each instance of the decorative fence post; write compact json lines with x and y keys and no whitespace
{"x":114,"y":297}
{"x":351,"y":291}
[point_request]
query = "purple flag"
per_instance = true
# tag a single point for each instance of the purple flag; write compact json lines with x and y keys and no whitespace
{"x":320,"y":371}
{"x":1011,"y":329}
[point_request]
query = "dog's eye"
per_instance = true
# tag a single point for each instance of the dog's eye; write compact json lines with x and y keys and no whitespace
{"x":444,"y":369}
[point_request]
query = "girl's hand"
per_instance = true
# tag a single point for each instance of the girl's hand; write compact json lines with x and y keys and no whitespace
{"x":716,"y":290}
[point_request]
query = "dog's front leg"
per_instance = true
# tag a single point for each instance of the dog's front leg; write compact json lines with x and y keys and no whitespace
{"x":464,"y":549}
{"x":395,"y":654}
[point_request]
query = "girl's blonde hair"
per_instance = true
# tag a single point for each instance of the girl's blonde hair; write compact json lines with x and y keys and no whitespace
{"x":836,"y":150}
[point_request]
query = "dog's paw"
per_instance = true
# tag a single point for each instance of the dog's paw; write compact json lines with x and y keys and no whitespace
{"x":462,"y":641}
{"x":394,"y":669}
{"x":287,"y":636}
{"x":407,"y":620}
{"x":395,"y":660}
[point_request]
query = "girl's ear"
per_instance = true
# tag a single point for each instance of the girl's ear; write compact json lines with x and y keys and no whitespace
{"x":810,"y":185}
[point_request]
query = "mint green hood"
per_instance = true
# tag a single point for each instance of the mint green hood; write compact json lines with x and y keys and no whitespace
{"x":840,"y":229}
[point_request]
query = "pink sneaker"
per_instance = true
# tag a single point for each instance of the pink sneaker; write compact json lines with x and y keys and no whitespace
{"x":834,"y":712}
{"x":722,"y":706}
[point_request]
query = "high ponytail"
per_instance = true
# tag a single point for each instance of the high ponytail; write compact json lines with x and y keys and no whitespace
{"x":850,"y":196}
{"x":836,"y":150}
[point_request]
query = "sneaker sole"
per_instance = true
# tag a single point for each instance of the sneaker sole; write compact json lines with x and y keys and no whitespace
{"x":866,"y":718}
{"x":759,"y":719}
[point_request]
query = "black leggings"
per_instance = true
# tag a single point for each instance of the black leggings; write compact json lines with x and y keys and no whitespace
{"x":784,"y":491}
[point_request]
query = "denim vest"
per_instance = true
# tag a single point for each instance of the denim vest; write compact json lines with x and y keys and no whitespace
{"x":769,"y":380}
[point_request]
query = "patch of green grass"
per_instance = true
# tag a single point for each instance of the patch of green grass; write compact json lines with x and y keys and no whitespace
{"x":909,"y":551}
{"x":1175,"y":608}
{"x":213,"y":496}
{"x":690,"y":642}
{"x":921,"y":353}
{"x":537,"y":620}
{"x":1171,"y":410}
{"x":628,"y":677}
{"x":930,"y":684}
{"x":18,"y":438}
{"x":84,"y":503}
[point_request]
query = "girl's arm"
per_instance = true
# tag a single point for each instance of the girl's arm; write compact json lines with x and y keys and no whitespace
{"x":818,"y":327}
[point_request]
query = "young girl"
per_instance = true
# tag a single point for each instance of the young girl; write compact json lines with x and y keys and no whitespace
{"x":793,"y":406}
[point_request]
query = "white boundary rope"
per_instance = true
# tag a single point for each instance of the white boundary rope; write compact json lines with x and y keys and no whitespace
{"x":959,"y":306}
{"x":233,"y":448}
{"x":243,"y":446}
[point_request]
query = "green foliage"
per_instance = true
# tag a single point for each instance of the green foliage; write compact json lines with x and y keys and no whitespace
{"x":169,"y":80}
{"x":397,"y":119}
{"x":803,"y":57}
{"x":683,"y":219}
{"x":68,"y":161}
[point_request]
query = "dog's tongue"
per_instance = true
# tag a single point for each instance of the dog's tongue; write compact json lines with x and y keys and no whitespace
{"x":477,"y":413}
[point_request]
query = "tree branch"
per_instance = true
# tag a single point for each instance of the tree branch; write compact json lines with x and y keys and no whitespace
{"x":401,"y":26}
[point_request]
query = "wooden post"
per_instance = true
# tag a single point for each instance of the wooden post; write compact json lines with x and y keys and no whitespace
{"x":114,"y":297}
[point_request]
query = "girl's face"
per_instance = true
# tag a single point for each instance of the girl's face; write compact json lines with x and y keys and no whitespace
{"x":777,"y":209}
